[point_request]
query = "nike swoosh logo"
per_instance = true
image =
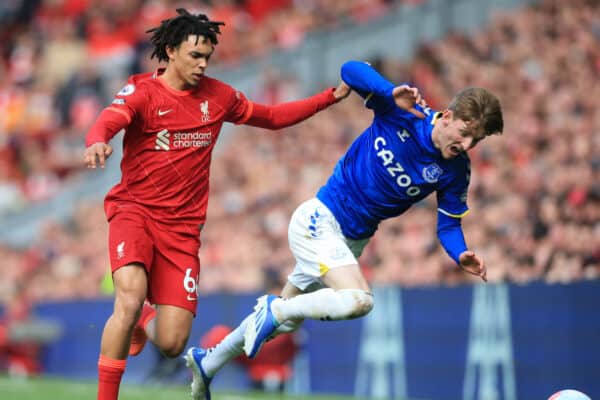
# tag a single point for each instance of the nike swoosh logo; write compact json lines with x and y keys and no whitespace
{"x":161,"y":112}
{"x":191,"y":298}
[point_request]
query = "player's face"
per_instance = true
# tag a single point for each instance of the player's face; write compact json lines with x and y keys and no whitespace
{"x":455,"y":136}
{"x":190,"y":60}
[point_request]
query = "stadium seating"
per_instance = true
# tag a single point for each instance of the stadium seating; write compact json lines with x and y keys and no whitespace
{"x":530,"y":218}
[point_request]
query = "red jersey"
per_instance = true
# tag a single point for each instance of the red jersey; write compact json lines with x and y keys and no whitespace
{"x":169,"y":139}
{"x":168,"y":144}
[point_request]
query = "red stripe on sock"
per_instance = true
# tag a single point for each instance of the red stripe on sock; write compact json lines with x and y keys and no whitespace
{"x":112,"y":363}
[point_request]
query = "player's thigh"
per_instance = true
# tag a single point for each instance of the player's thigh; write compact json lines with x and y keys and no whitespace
{"x":173,"y":278}
{"x":346,"y":277}
{"x":130,"y":283}
{"x":289,"y":291}
{"x":319,"y":247}
{"x":129,"y":241}
{"x":131,"y":255}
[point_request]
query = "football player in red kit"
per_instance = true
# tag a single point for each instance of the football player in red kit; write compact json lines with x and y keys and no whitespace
{"x":172,"y":119}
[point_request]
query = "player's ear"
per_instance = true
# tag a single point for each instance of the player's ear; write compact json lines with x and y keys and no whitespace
{"x":170,"y":52}
{"x":447,"y":116}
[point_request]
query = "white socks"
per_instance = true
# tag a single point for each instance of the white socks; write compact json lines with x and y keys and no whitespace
{"x":229,"y":348}
{"x":233,"y":345}
{"x":324,"y":304}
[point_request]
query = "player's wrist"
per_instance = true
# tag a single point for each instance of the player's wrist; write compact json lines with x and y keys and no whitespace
{"x":331,"y":95}
{"x":92,"y":143}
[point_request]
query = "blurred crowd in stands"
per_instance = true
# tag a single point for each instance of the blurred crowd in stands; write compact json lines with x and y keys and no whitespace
{"x":534,"y":194}
{"x":62,"y":60}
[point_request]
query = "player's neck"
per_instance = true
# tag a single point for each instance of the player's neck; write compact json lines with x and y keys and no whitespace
{"x":174,"y":81}
{"x":435,"y":135}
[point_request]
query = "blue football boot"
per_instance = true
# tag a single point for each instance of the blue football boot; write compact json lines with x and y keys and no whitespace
{"x":261,"y":325}
{"x":200,"y":381}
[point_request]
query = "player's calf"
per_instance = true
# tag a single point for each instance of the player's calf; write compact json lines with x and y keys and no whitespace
{"x":139,"y":336}
{"x":324,"y":304}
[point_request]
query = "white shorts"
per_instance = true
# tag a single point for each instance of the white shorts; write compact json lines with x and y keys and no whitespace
{"x":318,"y":244}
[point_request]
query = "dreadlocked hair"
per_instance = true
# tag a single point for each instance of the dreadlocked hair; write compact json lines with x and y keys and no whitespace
{"x":173,"y":31}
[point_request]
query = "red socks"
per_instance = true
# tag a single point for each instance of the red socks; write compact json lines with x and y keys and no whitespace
{"x":148,"y":312}
{"x":110,"y":371}
{"x":109,"y":377}
{"x":138,"y":336}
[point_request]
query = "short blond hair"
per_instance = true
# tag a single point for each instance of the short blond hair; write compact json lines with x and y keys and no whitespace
{"x":478,"y":107}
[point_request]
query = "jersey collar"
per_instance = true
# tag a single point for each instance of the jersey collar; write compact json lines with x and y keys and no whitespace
{"x":427,"y":139}
{"x":159,"y":72}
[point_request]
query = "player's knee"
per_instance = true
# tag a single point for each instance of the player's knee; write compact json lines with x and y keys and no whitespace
{"x":128,"y":309}
{"x":173,"y":345}
{"x":362,"y":302}
{"x":172,"y":352}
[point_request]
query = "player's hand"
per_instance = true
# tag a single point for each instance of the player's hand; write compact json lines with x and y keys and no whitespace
{"x":100,"y":151}
{"x":407,"y":97}
{"x":342,"y":91}
{"x":472,"y":264}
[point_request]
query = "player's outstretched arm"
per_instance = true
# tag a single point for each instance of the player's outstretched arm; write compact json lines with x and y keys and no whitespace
{"x":286,"y":114}
{"x":450,"y":233}
{"x":99,"y":152}
{"x":473,"y":264}
{"x":377,"y":91}
{"x":365,"y":80}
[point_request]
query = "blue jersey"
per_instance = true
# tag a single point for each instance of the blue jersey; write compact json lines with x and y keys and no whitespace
{"x":392,"y":164}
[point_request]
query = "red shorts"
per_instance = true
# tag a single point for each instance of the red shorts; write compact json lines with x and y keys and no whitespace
{"x":169,"y":257}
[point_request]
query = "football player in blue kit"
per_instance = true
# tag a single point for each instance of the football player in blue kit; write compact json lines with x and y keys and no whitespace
{"x":408,"y":152}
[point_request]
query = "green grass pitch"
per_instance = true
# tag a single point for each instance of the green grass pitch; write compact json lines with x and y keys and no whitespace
{"x":46,"y":388}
